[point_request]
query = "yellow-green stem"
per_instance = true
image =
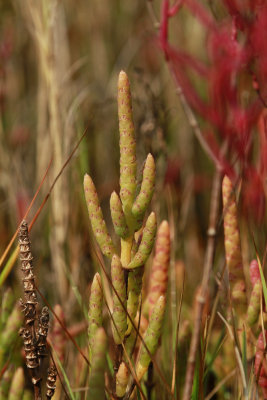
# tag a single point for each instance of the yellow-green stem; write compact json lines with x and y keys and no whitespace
{"x":126,"y":247}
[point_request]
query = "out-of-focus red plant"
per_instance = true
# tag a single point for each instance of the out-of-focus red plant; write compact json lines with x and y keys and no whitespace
{"x":260,"y":366}
{"x":254,"y":272}
{"x":237,"y":56}
{"x":6,"y":48}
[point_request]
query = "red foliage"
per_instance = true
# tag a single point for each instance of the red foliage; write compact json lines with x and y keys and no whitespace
{"x":237,"y":52}
{"x":260,"y":366}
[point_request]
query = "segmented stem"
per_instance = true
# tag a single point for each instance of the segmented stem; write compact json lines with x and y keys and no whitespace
{"x":95,"y":310}
{"x":127,"y":145}
{"x":118,"y":217}
{"x":135,"y":280}
{"x":233,"y":248}
{"x":146,"y":244}
{"x":96,"y":218}
{"x":143,"y":199}
{"x":96,"y":380}
{"x":119,"y":314}
{"x":158,"y":281}
{"x":151,"y":338}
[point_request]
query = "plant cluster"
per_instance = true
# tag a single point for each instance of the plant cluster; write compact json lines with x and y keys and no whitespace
{"x":137,"y":236}
{"x":153,"y":310}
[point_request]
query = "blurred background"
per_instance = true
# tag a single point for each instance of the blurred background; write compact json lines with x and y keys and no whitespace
{"x":59,"y":64}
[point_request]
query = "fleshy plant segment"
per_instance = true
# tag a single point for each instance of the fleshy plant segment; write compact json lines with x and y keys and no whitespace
{"x":249,"y":311}
{"x":233,"y":248}
{"x":137,"y":235}
{"x":127,"y":322}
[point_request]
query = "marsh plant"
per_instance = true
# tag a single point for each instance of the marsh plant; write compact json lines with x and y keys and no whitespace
{"x":170,"y":307}
{"x":137,"y":233}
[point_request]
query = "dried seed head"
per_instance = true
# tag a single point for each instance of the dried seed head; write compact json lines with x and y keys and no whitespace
{"x":42,"y":332}
{"x":96,"y":217}
{"x":30,"y":348}
{"x":51,"y":382}
{"x":30,"y":298}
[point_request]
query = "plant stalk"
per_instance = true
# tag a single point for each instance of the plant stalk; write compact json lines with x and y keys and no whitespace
{"x":200,"y":301}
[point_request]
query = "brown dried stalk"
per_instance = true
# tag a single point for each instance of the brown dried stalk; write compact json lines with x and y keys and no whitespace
{"x":34,"y":332}
{"x":51,"y":382}
{"x":29,"y":308}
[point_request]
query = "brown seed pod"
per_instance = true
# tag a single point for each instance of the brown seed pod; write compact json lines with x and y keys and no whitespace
{"x":42,"y":332}
{"x":51,"y":382}
{"x":29,"y":348}
{"x":30,"y":298}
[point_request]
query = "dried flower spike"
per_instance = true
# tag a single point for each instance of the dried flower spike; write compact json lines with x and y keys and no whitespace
{"x":30,"y":349}
{"x":233,"y":248}
{"x":146,"y":244}
{"x":29,"y":332}
{"x":127,"y":145}
{"x":42,"y":332}
{"x":96,"y":217}
{"x":118,"y":217}
{"x":147,"y":188}
{"x":51,"y":382}
{"x":96,"y":380}
{"x":30,"y":298}
{"x":119,"y":314}
{"x":95,"y":309}
{"x":159,"y":272}
{"x":151,"y":337}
